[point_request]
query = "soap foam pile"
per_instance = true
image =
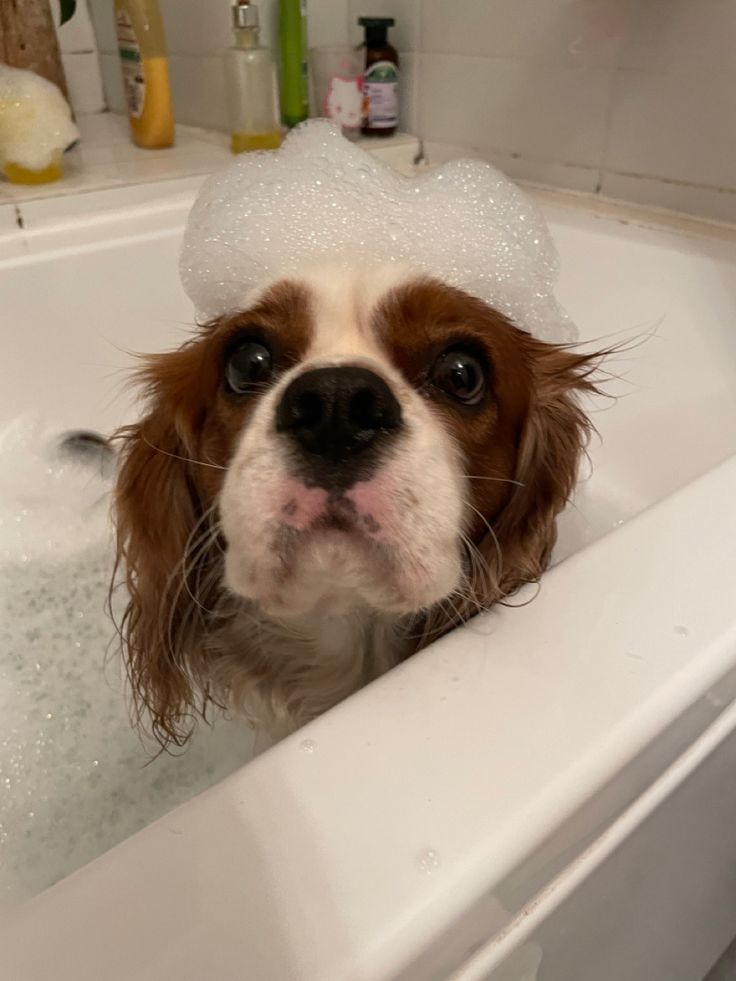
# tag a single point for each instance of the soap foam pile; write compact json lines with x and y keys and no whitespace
{"x":35,"y":120}
{"x":73,"y":780}
{"x":321,"y":199}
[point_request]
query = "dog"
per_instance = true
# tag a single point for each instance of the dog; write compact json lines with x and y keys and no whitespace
{"x":328,"y":479}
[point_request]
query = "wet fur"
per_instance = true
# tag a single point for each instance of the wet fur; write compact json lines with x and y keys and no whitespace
{"x":190,"y":643}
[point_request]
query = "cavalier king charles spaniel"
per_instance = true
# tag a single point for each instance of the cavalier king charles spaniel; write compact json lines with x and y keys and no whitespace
{"x":328,"y":479}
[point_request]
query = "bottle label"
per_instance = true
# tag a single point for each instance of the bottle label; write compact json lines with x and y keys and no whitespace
{"x":134,"y":80}
{"x":381,"y":95}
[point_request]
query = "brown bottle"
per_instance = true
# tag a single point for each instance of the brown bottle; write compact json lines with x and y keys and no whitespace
{"x":380,"y":78}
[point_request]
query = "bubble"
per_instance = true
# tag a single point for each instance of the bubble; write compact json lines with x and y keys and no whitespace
{"x":73,"y":771}
{"x":428,"y":861}
{"x":322,"y":199}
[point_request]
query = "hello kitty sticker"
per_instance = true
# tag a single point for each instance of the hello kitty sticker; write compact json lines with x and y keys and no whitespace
{"x":344,"y":101}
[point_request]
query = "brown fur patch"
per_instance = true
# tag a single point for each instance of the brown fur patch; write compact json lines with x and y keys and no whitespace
{"x":173,"y":463}
{"x":521,"y":444}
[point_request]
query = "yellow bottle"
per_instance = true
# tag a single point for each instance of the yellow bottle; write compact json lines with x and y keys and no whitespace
{"x":252,"y":86}
{"x":145,"y":72}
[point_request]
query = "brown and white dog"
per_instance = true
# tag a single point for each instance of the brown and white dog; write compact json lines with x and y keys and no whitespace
{"x":328,"y":479}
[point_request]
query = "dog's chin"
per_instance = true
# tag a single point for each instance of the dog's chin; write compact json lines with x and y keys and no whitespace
{"x":335,"y":570}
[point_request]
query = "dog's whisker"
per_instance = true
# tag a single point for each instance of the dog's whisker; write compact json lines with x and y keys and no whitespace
{"x":184,"y":459}
{"x":493,"y":535}
{"x":499,"y":480}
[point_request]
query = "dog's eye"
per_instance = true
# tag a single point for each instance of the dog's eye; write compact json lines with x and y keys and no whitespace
{"x":461,"y":375}
{"x":248,"y":365}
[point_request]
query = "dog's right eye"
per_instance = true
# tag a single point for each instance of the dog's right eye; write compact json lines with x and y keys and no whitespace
{"x":248,"y":366}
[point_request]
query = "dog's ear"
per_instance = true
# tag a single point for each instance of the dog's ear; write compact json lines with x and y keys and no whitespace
{"x":553,"y":441}
{"x":157,"y":513}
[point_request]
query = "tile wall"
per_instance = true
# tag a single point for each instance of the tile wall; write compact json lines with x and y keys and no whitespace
{"x":628,"y":98}
{"x":631,"y":98}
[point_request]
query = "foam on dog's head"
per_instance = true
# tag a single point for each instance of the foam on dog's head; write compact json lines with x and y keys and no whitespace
{"x":322,"y":199}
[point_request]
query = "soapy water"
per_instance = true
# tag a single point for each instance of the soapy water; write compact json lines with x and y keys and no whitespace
{"x":321,"y":199}
{"x":73,"y":773}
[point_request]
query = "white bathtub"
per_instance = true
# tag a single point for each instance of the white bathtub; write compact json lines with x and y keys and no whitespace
{"x":547,"y":793}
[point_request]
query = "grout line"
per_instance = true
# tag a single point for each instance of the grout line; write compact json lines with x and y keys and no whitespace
{"x":612,"y":100}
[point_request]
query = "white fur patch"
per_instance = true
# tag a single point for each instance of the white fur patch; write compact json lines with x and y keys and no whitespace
{"x":405,"y":555}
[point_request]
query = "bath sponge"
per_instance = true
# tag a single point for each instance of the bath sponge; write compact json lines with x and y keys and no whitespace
{"x":321,"y":198}
{"x":35,"y":120}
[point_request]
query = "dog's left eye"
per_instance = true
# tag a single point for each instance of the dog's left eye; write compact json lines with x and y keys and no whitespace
{"x":247,"y":365}
{"x":460,"y":374}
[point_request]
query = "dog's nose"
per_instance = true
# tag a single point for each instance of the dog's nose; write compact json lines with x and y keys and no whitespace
{"x":334,"y":413}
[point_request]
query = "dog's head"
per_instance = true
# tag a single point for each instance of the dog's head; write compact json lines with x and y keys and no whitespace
{"x":374,"y":442}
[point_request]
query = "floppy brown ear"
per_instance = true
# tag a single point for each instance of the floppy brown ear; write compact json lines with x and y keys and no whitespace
{"x":156,"y":510}
{"x":552,"y":444}
{"x":160,"y":524}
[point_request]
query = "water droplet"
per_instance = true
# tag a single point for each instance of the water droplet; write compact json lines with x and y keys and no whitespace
{"x":716,"y":700}
{"x":681,"y":631}
{"x":428,"y":861}
{"x":307,"y":745}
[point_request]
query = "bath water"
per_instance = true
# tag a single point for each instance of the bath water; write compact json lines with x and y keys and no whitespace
{"x":75,"y":778}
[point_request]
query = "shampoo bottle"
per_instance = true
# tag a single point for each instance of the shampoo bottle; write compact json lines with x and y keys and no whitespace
{"x":380,"y":79}
{"x":294,"y":65}
{"x":252,"y":86}
{"x":145,"y":72}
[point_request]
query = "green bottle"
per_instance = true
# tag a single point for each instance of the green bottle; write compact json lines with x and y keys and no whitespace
{"x":294,"y":66}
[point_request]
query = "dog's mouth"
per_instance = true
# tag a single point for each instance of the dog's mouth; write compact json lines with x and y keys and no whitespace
{"x":323,"y":549}
{"x":342,"y":515}
{"x":340,"y":534}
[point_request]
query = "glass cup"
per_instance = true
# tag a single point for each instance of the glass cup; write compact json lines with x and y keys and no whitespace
{"x":337,"y":86}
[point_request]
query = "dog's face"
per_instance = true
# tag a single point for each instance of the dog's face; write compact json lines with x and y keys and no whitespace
{"x":346,"y":485}
{"x":349,"y":441}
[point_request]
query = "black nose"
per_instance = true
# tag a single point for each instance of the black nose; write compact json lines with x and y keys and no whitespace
{"x":334,"y":413}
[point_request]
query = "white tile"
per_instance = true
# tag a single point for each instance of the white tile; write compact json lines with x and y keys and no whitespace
{"x":409,"y":92}
{"x":527,"y":169}
{"x":103,"y":21}
{"x":685,"y":198}
{"x":547,"y":172}
{"x":544,"y":111}
{"x":196,"y":28}
{"x":327,"y":22}
{"x":198,"y":91}
{"x":84,"y":82}
{"x":678,"y":34}
{"x":77,"y":34}
{"x":588,"y":32}
{"x":404,"y":35}
{"x":112,"y":81}
{"x":675,"y":126}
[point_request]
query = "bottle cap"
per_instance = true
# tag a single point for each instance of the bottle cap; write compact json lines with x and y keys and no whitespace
{"x":376,"y":30}
{"x":245,"y":14}
{"x":376,"y":22}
